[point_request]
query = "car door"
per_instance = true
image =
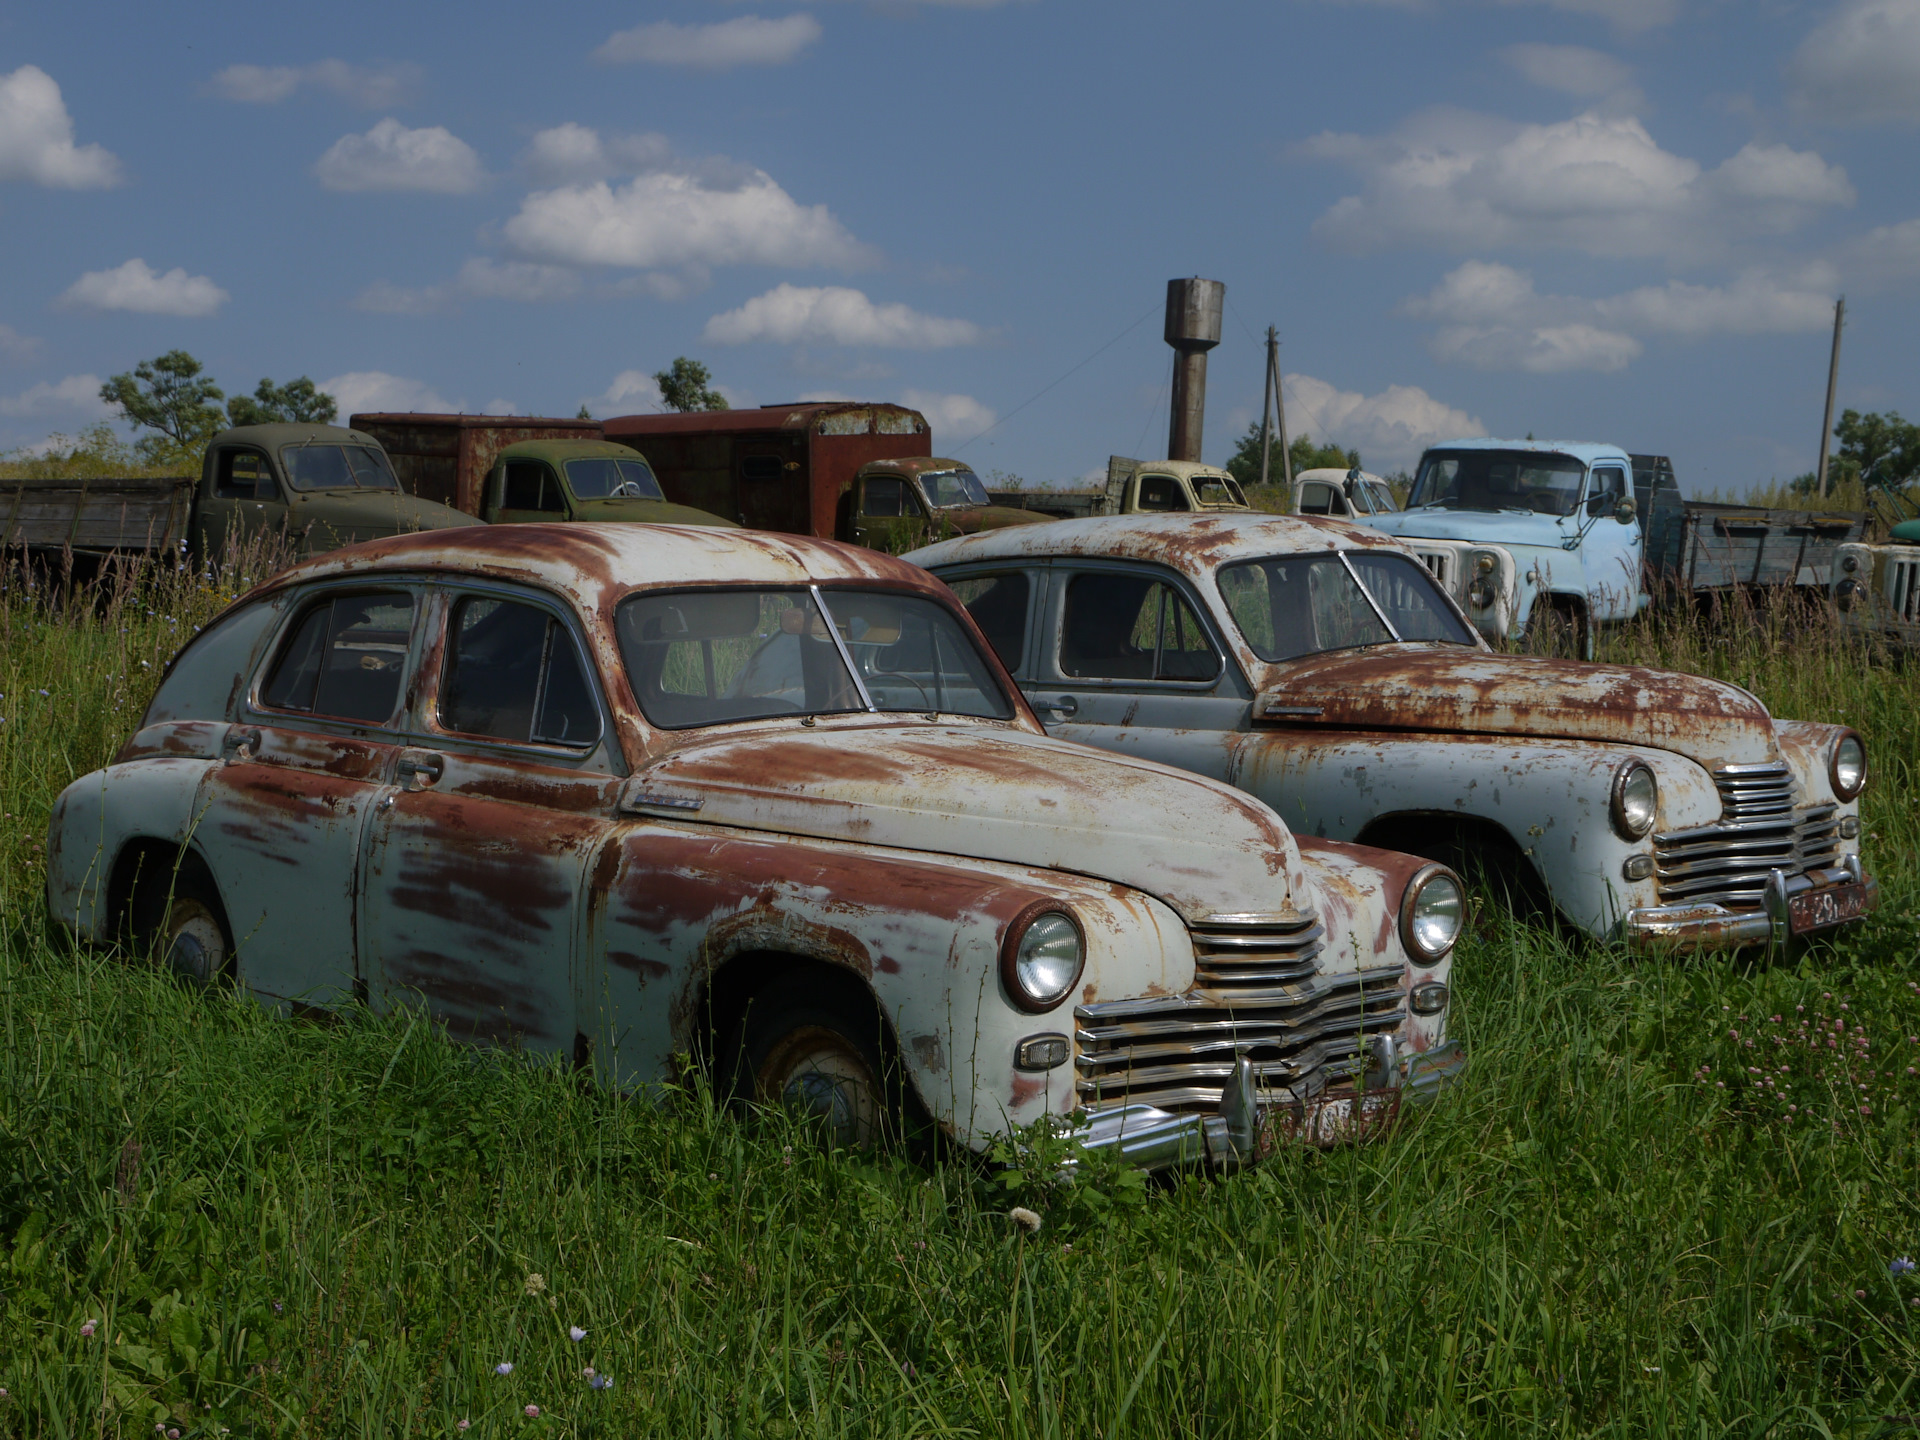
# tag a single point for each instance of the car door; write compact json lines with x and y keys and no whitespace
{"x":474,"y":859}
{"x":1127,"y":645}
{"x":241,"y":499}
{"x":280,"y":819}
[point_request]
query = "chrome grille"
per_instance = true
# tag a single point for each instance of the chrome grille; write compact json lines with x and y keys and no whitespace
{"x":1439,"y":564}
{"x":1258,"y":992}
{"x":1759,"y":830}
{"x":1903,"y":589}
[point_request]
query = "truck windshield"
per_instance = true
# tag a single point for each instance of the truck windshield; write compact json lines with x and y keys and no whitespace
{"x":608,"y":477}
{"x":337,"y":467}
{"x":951,"y":489}
{"x":1293,"y":605}
{"x":707,"y":657}
{"x":1498,"y":480}
{"x":1217,"y":490}
{"x":1376,"y":497}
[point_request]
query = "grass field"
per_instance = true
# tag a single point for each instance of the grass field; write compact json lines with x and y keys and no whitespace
{"x":218,"y":1222}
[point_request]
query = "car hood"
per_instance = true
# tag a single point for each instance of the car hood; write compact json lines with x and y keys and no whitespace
{"x":1203,"y":848}
{"x":629,"y":510}
{"x":1485,"y":527}
{"x":1452,"y":688}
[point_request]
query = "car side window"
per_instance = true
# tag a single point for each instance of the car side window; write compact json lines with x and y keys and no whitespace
{"x":884,"y":499}
{"x":1132,"y":627}
{"x":344,"y":658}
{"x":1316,"y":498}
{"x":998,"y":605}
{"x":514,"y":673}
{"x":530,"y":485}
{"x":244,"y":475}
{"x":1161,"y":492}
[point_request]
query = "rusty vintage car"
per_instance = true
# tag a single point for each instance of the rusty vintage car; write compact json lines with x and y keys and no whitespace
{"x":631,"y":793}
{"x":1316,"y":665}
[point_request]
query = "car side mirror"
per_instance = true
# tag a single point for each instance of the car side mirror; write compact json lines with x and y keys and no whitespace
{"x":1625,"y":510}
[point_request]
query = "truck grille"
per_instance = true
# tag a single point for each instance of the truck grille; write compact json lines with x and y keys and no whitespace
{"x":1903,"y":589}
{"x":1257,"y":991}
{"x":1759,"y":830}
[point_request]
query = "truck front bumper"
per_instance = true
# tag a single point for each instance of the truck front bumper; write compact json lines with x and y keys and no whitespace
{"x":1242,"y":1132}
{"x":1794,"y":905}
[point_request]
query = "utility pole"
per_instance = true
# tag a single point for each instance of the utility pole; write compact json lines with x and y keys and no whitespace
{"x":1271,"y":401}
{"x":1833,"y":373}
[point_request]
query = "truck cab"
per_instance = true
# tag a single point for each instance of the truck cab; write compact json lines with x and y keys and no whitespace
{"x":324,"y":485}
{"x":1344,"y":494}
{"x":894,"y":505}
{"x":1563,"y":510}
{"x":596,"y":480}
{"x":1154,"y":487}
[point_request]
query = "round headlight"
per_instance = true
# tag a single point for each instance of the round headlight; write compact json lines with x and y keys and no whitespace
{"x":1848,"y":767}
{"x":1433,"y":912}
{"x":1041,"y":956}
{"x":1636,"y":796}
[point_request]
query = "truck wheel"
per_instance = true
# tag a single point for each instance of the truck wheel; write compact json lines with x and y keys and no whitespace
{"x":1558,"y":629}
{"x":178,"y":914}
{"x":811,"y":1044}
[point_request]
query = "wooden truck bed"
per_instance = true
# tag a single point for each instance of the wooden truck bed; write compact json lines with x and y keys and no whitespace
{"x":95,"y":516}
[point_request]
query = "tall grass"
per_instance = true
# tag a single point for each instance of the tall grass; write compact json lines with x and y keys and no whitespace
{"x":215,"y":1220}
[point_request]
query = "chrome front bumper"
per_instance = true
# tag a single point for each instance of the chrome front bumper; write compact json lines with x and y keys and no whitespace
{"x":1242,"y":1132}
{"x":1707,"y":926}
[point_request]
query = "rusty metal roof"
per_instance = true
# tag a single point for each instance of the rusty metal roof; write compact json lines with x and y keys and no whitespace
{"x":799,"y":416}
{"x":1186,"y":541}
{"x":428,"y":420}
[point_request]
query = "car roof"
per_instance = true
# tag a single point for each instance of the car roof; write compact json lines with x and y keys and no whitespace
{"x":1186,"y":541}
{"x":595,"y":565}
{"x":1587,"y":452}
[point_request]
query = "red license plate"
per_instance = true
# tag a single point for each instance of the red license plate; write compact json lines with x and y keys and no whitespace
{"x":1822,"y":909}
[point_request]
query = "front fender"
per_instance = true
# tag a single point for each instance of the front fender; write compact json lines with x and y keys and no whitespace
{"x":98,"y":815}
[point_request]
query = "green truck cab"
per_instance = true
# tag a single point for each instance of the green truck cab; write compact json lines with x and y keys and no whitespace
{"x":323,"y":485}
{"x":593,"y":480}
{"x":898,"y":504}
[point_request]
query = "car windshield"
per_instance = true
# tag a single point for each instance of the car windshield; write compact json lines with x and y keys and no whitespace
{"x":1292,"y":605}
{"x":1498,"y":480}
{"x":1217,"y":490}
{"x":609,"y":477}
{"x":950,"y":489}
{"x":707,"y":657}
{"x":337,"y":467}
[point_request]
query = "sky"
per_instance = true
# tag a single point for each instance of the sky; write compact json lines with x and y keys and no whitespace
{"x":1612,"y":220}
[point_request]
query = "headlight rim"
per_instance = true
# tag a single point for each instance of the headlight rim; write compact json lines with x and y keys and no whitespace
{"x":1422,"y":878}
{"x":1841,"y":792}
{"x":1616,"y":799}
{"x":1010,"y":939}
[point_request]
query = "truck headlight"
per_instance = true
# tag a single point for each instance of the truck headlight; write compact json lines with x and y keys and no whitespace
{"x":1636,"y":796}
{"x":1847,"y":766}
{"x":1845,"y":593}
{"x":1041,"y":956}
{"x":1432,"y":913}
{"x":1480,"y":594}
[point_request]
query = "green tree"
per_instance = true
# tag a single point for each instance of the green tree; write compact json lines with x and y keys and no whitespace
{"x":1245,"y":464}
{"x":96,"y":453}
{"x":585,"y":414}
{"x":299,"y":401}
{"x":1886,"y":445}
{"x":171,"y":397}
{"x":687,"y":385}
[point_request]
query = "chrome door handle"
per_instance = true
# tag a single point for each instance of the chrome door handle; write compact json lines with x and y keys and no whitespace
{"x":420,"y":768}
{"x":1066,"y":707}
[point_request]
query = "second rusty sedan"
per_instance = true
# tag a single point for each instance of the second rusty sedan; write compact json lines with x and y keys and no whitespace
{"x":628,"y":794}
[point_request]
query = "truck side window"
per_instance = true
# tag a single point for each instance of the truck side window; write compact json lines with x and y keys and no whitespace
{"x":760,"y":467}
{"x":998,"y":605}
{"x":531,"y":486}
{"x":1132,"y":627}
{"x":1316,"y":498}
{"x":513,"y":673}
{"x":1161,"y":492}
{"x":345,"y":659}
{"x":884,"y":499}
{"x":1609,"y":485}
{"x":244,"y":475}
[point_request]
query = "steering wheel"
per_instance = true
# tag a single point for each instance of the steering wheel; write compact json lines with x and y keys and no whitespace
{"x":626,"y":489}
{"x":925,"y":699}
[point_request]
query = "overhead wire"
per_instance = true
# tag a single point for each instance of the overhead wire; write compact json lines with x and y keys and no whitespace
{"x":1150,"y":310}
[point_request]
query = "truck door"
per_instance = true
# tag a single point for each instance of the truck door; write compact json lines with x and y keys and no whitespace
{"x":526,"y":490}
{"x":241,"y":498}
{"x":886,"y":512}
{"x":1317,"y":497}
{"x":1160,"y":493}
{"x":1611,"y":550}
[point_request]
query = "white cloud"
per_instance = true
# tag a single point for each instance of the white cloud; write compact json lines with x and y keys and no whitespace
{"x":954,"y":419}
{"x":746,"y":40}
{"x":374,"y":86}
{"x":1389,"y":429}
{"x":1861,"y":64}
{"x":633,"y":392}
{"x":1570,"y":69}
{"x":392,"y":157}
{"x":1886,"y":252}
{"x":479,"y":279}
{"x":1491,"y":317}
{"x":835,"y":315}
{"x":1596,"y":183}
{"x":373,"y":391}
{"x":1622,"y":14}
{"x":36,"y":137}
{"x":136,"y":286}
{"x":77,"y":395}
{"x":16,"y":347}
{"x":569,"y":153}
{"x":669,"y":219}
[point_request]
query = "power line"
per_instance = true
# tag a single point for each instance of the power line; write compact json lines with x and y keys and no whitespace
{"x":1151,"y":309}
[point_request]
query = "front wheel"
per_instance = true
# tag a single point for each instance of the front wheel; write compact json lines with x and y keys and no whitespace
{"x":178,"y":913}
{"x":1558,"y":628}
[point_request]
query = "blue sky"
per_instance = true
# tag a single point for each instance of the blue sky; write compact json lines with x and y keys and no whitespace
{"x":1618,"y":220}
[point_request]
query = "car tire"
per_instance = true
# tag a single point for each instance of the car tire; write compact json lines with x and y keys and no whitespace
{"x":813,"y":1044}
{"x":181,"y":922}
